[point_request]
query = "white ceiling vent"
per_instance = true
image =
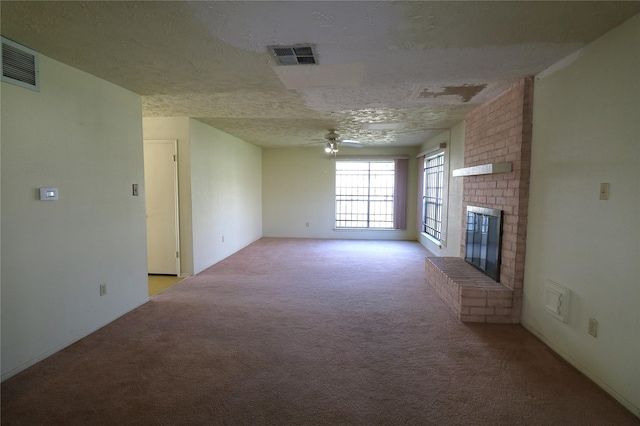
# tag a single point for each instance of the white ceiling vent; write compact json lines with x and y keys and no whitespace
{"x":20,"y":65}
{"x":297,"y":54}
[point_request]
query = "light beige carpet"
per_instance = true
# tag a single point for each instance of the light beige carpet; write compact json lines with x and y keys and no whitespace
{"x":306,"y":332}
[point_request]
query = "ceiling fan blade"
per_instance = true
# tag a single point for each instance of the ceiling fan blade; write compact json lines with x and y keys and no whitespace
{"x":351,"y":143}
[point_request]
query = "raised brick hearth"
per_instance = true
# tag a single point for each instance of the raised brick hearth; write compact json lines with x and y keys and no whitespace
{"x":496,"y":132}
{"x":471,"y":295}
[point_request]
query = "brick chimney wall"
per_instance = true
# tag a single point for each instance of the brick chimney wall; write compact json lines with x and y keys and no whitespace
{"x":499,"y":131}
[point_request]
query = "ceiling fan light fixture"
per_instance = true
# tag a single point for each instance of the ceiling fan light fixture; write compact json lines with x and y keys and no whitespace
{"x":331,"y":147}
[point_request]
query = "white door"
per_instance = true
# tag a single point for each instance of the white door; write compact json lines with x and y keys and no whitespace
{"x":161,"y":196}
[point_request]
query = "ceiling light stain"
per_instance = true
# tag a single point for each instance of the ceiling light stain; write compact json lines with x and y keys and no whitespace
{"x":466,"y":92}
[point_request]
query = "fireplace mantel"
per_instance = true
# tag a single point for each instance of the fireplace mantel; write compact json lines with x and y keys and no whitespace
{"x":483,"y":169}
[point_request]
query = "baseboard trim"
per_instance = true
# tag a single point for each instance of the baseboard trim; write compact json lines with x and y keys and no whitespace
{"x":224,"y":256}
{"x":634,"y":409}
{"x":70,"y":342}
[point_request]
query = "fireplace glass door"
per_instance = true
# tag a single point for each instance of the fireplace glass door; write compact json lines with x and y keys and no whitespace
{"x":482,"y":248}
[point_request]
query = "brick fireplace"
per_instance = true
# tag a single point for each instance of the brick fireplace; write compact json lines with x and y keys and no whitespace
{"x":497,"y":159}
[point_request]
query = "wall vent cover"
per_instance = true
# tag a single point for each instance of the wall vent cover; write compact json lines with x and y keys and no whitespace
{"x":297,"y":54}
{"x":20,"y":65}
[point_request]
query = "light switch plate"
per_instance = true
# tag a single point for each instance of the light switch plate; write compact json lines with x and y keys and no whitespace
{"x":48,"y":194}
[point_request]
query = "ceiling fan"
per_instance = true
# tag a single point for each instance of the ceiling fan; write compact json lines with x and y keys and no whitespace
{"x":331,"y":147}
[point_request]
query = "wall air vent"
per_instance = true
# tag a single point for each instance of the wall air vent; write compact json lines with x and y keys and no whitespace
{"x":20,"y":65}
{"x":297,"y":54}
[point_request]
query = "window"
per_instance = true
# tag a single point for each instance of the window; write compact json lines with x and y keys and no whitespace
{"x":432,"y":195}
{"x":372,"y":194}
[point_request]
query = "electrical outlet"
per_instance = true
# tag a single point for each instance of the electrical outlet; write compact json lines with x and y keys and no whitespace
{"x":103,"y":289}
{"x":134,"y":189}
{"x":223,"y":238}
{"x":593,"y":327}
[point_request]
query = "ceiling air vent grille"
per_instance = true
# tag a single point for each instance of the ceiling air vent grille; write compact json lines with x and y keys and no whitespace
{"x":20,"y":65}
{"x":298,"y":54}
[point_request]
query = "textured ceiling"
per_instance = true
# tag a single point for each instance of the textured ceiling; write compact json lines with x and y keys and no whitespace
{"x":389,"y":72}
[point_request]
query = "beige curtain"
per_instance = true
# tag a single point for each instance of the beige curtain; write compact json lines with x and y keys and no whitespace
{"x":400,"y":196}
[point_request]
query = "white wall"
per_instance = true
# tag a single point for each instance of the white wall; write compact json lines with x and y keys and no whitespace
{"x":452,"y":211}
{"x":177,"y":128}
{"x":83,"y":136}
{"x":586,"y":128}
{"x":226,"y":184}
{"x":299,"y":187}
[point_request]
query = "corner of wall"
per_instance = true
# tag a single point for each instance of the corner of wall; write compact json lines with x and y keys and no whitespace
{"x":57,"y":254}
{"x":582,"y":138}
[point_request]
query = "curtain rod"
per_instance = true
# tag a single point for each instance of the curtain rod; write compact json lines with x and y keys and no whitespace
{"x":430,"y":150}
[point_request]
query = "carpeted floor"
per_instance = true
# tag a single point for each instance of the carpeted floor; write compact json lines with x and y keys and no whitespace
{"x":306,"y":332}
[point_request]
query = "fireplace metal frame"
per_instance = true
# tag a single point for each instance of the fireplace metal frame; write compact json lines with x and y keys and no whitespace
{"x":495,"y":213}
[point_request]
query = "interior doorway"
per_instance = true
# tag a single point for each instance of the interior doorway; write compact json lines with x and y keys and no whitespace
{"x":161,"y":198}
